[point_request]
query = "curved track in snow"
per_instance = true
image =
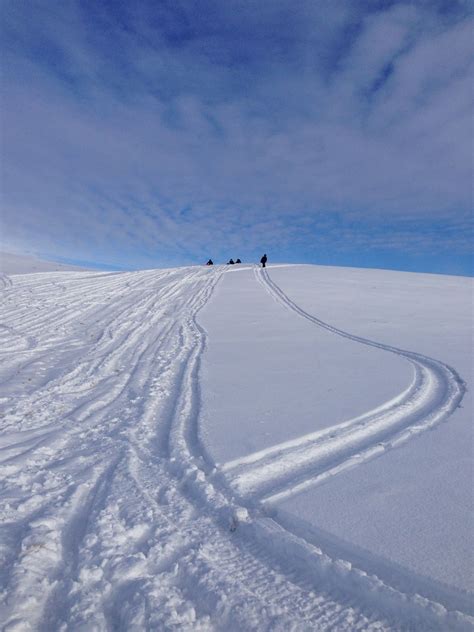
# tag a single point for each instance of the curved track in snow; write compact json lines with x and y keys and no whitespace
{"x":111,"y":518}
{"x":274,"y":473}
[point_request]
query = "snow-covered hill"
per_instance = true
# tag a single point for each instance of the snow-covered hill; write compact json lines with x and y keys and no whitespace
{"x":232,"y":448}
{"x":24,"y":264}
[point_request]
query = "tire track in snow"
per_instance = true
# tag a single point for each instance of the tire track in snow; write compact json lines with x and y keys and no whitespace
{"x":291,"y":467}
{"x":5,"y":282}
{"x":271,"y":542}
{"x":53,"y":326}
{"x":14,"y":336}
{"x":247,"y":581}
{"x":98,"y":429}
{"x":131,"y":523}
{"x":36,"y":571}
{"x":148,"y":575}
{"x":103,"y":349}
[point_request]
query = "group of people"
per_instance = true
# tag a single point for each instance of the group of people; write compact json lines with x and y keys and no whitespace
{"x":231,"y":262}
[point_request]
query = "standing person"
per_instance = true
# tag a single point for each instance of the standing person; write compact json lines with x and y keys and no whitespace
{"x":263,"y":260}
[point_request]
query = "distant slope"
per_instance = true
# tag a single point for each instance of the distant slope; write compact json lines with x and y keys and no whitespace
{"x":23,"y":264}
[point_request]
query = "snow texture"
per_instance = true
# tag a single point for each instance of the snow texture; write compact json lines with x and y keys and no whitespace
{"x":192,"y":449}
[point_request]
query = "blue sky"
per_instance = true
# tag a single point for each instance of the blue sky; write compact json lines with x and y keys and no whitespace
{"x":156,"y":133}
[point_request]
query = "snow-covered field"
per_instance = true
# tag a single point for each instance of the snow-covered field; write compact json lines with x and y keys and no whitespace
{"x":232,"y":448}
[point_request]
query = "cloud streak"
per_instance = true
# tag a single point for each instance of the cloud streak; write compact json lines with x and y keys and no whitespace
{"x":159,"y":133}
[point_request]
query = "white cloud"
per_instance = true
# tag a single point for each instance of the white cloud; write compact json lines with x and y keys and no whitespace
{"x":105,"y":147}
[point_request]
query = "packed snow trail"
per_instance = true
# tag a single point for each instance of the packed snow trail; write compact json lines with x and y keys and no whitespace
{"x":288,"y":468}
{"x":110,"y":516}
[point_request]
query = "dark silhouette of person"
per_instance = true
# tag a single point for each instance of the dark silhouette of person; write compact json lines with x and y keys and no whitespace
{"x":231,"y":262}
{"x":263,"y":260}
{"x":238,"y":261}
{"x":210,"y":262}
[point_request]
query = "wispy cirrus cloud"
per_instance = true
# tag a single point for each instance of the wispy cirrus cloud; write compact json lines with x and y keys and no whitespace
{"x":156,"y":133}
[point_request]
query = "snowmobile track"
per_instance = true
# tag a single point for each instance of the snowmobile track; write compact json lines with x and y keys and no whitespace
{"x":113,"y":516}
{"x":279,"y":471}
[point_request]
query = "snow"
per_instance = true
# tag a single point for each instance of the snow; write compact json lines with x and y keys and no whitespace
{"x":261,"y":362}
{"x":25,"y":264}
{"x":236,"y":449}
{"x":424,"y":490}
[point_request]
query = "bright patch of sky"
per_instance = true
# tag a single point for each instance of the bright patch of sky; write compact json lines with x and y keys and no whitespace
{"x":147,"y":134}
